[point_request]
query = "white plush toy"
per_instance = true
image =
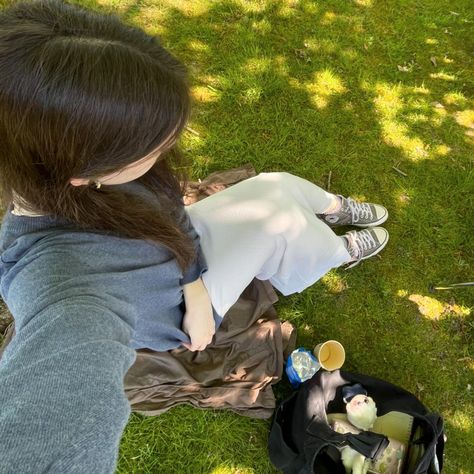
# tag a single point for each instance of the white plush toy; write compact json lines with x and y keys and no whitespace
{"x":362,"y":413}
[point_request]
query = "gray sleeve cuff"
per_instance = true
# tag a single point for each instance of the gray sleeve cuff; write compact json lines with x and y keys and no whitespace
{"x":196,"y":269}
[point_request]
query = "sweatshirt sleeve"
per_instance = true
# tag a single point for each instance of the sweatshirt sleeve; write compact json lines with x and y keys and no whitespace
{"x":199,"y":266}
{"x":63,"y":407}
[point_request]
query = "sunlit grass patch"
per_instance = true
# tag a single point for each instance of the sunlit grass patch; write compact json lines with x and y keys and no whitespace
{"x":443,"y":75}
{"x":328,"y":18}
{"x":334,"y":282}
{"x":324,"y":86}
{"x":432,"y":308}
{"x":257,"y":65}
{"x":204,"y":94}
{"x":442,"y":150}
{"x":462,"y":420}
{"x":198,"y":45}
{"x":312,"y":87}
{"x":455,"y":98}
{"x":465,"y":118}
{"x":364,"y":3}
{"x":262,"y":26}
{"x":232,"y":470}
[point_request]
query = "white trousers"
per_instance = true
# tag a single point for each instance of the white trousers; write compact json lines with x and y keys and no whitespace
{"x":265,"y":227}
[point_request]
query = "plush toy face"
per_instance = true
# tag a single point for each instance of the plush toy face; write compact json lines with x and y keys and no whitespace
{"x":361,"y":412}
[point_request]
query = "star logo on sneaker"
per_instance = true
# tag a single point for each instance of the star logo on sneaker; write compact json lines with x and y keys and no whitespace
{"x":331,"y":218}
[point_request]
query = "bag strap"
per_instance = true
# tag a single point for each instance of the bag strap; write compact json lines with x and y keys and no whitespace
{"x":320,"y":436}
{"x":435,"y":445}
{"x":371,"y":445}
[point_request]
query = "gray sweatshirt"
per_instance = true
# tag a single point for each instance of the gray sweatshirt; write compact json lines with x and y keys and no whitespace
{"x":82,"y":302}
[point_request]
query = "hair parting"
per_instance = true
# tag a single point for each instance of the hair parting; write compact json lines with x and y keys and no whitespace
{"x":83,"y":94}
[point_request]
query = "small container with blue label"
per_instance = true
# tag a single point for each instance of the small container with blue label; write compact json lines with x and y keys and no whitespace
{"x":300,"y":366}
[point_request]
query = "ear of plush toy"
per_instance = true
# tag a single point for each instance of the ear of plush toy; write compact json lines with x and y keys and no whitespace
{"x":350,"y":391}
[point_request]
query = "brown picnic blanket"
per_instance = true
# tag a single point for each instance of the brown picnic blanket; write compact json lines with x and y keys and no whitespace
{"x":237,"y":370}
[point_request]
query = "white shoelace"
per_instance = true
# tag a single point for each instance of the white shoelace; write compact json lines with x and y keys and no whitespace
{"x":358,"y":242}
{"x":359,"y":210}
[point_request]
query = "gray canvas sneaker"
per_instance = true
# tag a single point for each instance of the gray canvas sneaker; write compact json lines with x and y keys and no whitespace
{"x":356,"y":213}
{"x":365,"y":243}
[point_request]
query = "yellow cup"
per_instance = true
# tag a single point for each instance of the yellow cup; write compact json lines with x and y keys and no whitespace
{"x":330,"y":354}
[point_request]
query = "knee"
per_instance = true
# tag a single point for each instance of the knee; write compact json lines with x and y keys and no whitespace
{"x":278,"y":176}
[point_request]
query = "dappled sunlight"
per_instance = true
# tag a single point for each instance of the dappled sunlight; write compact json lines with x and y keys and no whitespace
{"x":118,"y":5}
{"x":215,"y":83}
{"x":152,"y":17}
{"x":154,"y":13}
{"x":388,"y":104}
{"x":198,"y":46}
{"x":231,"y":470}
{"x":461,"y":421}
{"x":465,"y":118}
{"x":364,"y":3}
{"x":325,"y":86}
{"x":252,"y":7}
{"x":328,"y":18}
{"x":251,"y":95}
{"x":431,"y":41}
{"x":441,"y":150}
{"x":262,"y":26}
{"x":397,"y":111}
{"x":447,"y":60}
{"x":455,"y":98}
{"x":439,"y":115}
{"x":334,"y":282}
{"x":443,"y":75}
{"x":280,"y":65}
{"x":421,"y":90}
{"x":190,"y":8}
{"x":396,"y":134}
{"x":350,"y":54}
{"x":204,"y":94}
{"x":320,"y":45}
{"x":388,"y":101}
{"x":328,"y":46}
{"x":257,"y":65}
{"x":402,"y":199}
{"x":417,"y":118}
{"x":288,"y":9}
{"x":433,"y":309}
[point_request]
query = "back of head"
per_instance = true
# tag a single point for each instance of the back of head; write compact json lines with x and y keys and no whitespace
{"x":82,"y":95}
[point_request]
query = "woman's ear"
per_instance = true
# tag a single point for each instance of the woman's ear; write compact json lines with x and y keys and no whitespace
{"x":79,"y":181}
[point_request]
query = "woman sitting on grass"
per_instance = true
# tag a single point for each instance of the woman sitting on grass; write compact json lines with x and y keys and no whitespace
{"x":99,"y":256}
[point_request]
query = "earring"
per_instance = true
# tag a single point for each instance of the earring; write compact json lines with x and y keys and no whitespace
{"x":98,"y":184}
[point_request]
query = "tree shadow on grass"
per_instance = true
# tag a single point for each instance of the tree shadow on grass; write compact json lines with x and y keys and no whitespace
{"x":336,"y":89}
{"x":351,"y":91}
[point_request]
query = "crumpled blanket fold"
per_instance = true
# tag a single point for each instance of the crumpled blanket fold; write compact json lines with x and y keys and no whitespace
{"x":235,"y":372}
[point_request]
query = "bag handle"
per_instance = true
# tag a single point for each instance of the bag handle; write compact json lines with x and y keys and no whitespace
{"x":370,"y":445}
{"x":434,"y":439}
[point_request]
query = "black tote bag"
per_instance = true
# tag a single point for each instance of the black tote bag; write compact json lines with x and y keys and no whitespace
{"x":302,"y":442}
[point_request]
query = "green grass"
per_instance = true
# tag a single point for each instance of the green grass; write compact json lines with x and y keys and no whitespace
{"x":351,"y":89}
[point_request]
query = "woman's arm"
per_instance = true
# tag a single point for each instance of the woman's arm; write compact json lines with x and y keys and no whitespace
{"x":198,"y":320}
{"x":62,"y":404}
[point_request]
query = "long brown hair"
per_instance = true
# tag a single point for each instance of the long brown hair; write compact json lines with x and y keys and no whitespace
{"x":83,"y":94}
